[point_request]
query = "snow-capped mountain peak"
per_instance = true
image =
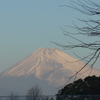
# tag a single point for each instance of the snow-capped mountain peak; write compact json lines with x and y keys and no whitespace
{"x":43,"y":61}
{"x":50,"y":65}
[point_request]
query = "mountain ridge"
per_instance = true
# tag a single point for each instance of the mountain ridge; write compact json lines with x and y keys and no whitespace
{"x":42,"y":55}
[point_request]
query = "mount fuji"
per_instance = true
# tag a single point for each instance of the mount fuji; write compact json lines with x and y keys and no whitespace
{"x":49,"y":68}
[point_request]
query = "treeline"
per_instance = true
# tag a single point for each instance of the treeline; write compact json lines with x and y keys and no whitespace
{"x":81,"y":89}
{"x":34,"y":93}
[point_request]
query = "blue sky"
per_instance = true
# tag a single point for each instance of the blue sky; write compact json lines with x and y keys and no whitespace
{"x":26,"y":25}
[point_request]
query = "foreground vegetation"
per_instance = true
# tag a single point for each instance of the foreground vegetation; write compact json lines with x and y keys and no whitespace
{"x":82,"y":88}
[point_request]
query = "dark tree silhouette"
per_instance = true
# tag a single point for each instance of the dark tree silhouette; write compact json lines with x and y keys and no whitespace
{"x":90,"y":86}
{"x":13,"y":96}
{"x":34,"y":93}
{"x":91,"y":30}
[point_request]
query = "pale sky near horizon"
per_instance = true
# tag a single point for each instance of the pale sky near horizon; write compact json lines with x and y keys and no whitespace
{"x":26,"y":25}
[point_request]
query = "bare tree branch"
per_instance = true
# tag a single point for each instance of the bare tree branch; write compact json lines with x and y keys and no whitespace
{"x":91,"y":29}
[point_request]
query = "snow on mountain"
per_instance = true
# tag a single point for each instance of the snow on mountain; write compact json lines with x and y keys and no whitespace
{"x":48,"y":66}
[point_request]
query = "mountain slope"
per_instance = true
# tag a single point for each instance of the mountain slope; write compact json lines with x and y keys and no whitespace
{"x":48,"y":66}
